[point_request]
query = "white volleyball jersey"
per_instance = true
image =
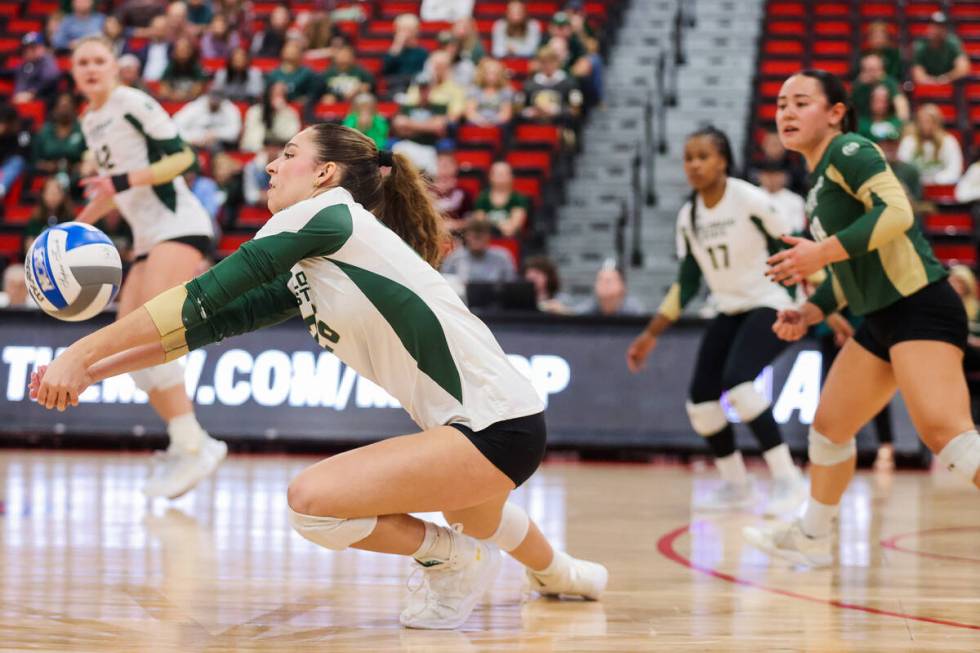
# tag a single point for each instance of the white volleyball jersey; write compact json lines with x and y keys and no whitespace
{"x":731,"y":243}
{"x":129,"y":132}
{"x":389,"y":315}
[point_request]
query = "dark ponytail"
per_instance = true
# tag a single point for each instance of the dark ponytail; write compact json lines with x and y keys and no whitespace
{"x":401,"y":200}
{"x":720,"y":140}
{"x":835,"y":91}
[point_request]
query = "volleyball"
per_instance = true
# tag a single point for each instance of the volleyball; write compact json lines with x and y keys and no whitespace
{"x":73,"y":271}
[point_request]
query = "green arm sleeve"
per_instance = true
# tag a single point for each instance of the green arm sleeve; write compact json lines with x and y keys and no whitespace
{"x":828,"y":296}
{"x":683,"y":290}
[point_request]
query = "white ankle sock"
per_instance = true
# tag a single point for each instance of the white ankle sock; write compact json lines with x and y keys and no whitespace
{"x":185,"y":433}
{"x":780,"y":462}
{"x":732,"y":468}
{"x":437,"y":545}
{"x":817,"y":518}
{"x":559,"y":563}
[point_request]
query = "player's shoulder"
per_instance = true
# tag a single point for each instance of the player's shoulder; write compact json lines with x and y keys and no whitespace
{"x":330,"y":211}
{"x":854,"y":154}
{"x":127,"y":97}
{"x":684,"y":214}
{"x":747,"y":191}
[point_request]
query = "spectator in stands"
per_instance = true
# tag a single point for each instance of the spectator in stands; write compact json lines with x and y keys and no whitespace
{"x":543,"y":273}
{"x":81,"y":22}
{"x":773,"y":179}
{"x":453,"y":202}
{"x":38,"y":75}
{"x":239,"y":80}
{"x":405,"y":58}
{"x":217,"y":42}
{"x":51,"y":26}
{"x":551,"y":94}
{"x":443,"y":89}
{"x":321,"y":36}
{"x":907,"y":173}
{"x":15,"y":145}
{"x":445,"y":10}
{"x":129,"y":71}
{"x":273,"y":117}
{"x":15,"y":293}
{"x":157,"y":56}
{"x":364,"y":117}
{"x":611,"y":297}
{"x":881,"y":121}
{"x":199,"y":12}
{"x":879,"y":41}
{"x":269,"y":42}
{"x":503,"y":208}
{"x":491,"y":103}
{"x":301,"y":82}
{"x":968,"y":187}
{"x":516,"y":34}
{"x":54,"y":206}
{"x":115,"y":33}
{"x":420,"y":125}
{"x":184,"y":78}
{"x":575,"y":55}
{"x":227,"y":173}
{"x":239,"y":15}
{"x":872,"y":75}
{"x":772,"y":151}
{"x":59,"y":145}
{"x":477,"y":259}
{"x":255,"y":179}
{"x":931,"y":149}
{"x":939,"y":57}
{"x":210,"y":122}
{"x":178,"y":26}
{"x":461,"y":68}
{"x":345,"y":78}
{"x":467,"y":40}
{"x":139,"y":13}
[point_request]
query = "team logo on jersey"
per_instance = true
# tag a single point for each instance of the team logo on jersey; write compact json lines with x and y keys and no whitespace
{"x":850,"y":148}
{"x":811,"y":197}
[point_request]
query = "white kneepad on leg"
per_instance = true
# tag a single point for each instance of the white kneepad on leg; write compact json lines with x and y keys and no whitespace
{"x":514,"y":524}
{"x":824,"y":451}
{"x":330,"y":532}
{"x":748,"y":402}
{"x":159,"y":377}
{"x":961,"y":455}
{"x":707,"y":417}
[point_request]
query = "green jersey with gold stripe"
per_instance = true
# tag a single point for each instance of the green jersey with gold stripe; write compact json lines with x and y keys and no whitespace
{"x":367,"y":297}
{"x":855,"y":196}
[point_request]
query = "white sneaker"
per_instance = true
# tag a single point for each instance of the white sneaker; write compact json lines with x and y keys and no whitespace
{"x":579,"y":578}
{"x":786,"y":495}
{"x":176,"y":471}
{"x":727,"y":496}
{"x":450,"y":590}
{"x":788,"y":541}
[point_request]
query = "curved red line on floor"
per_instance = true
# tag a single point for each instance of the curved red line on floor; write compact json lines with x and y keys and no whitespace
{"x":892,"y":543}
{"x":666,"y":547}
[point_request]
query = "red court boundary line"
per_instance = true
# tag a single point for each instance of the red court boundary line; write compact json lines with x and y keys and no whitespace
{"x":666,"y":547}
{"x":892,"y":543}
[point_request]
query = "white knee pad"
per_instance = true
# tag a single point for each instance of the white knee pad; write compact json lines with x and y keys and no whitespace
{"x":707,"y":417}
{"x":158,"y":377}
{"x":330,"y":532}
{"x":961,"y":455}
{"x":748,"y":402}
{"x":823,"y":451}
{"x":513,"y":527}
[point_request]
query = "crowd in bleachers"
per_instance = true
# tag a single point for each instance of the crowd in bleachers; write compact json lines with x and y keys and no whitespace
{"x":487,"y":101}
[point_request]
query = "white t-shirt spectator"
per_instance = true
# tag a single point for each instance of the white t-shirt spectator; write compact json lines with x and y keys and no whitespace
{"x":445,"y":9}
{"x":197,"y":122}
{"x":944,"y":168}
{"x":514,"y":46}
{"x":968,"y":188}
{"x":157,"y":58}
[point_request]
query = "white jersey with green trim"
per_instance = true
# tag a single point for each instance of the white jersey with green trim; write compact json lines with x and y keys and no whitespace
{"x":390,"y":316}
{"x":129,"y":132}
{"x":731,"y":242}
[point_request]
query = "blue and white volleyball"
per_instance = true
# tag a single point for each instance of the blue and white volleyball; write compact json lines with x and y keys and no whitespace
{"x":73,"y":271}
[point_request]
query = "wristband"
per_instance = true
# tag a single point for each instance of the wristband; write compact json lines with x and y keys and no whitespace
{"x":120,"y":182}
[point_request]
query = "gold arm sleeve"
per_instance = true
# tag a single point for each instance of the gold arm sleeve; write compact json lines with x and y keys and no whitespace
{"x":165,"y":310}
{"x":670,"y":307}
{"x":171,"y":166}
{"x":897,"y":216}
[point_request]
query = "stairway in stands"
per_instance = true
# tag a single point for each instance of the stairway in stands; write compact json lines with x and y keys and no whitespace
{"x":714,"y":86}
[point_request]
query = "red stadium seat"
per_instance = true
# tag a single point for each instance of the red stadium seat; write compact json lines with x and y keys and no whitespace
{"x":9,"y":9}
{"x":832,"y":9}
{"x":839,"y":67}
{"x":393,"y":8}
{"x":531,"y":161}
{"x":833,"y":28}
{"x":949,"y":224}
{"x":964,"y":12}
{"x":373,"y":46}
{"x":474,"y":159}
{"x":786,"y":8}
{"x":24,"y":25}
{"x":770,"y":89}
{"x":241,"y":157}
{"x":253,"y":217}
{"x":490,"y":9}
{"x":968,"y":30}
{"x":956,"y":253}
{"x":780,"y":67}
{"x":265,"y":64}
{"x":922,"y":9}
{"x":332,"y":112}
{"x":9,"y":44}
{"x":877,"y":10}
{"x":512,"y":246}
{"x":10,"y":246}
{"x":787,"y":28}
{"x":472,"y":185}
{"x":517,"y":66}
{"x":388,"y":109}
{"x":33,"y":110}
{"x":530,"y":186}
{"x":42,"y":8}
{"x":172,"y":106}
{"x":17,"y":214}
{"x":474,"y":135}
{"x":767,"y":111}
{"x":842,"y":48}
{"x":773,"y":46}
{"x":939,"y":192}
{"x":231,"y":242}
{"x":933,"y":91}
{"x":537,"y":135}
{"x":211,"y":66}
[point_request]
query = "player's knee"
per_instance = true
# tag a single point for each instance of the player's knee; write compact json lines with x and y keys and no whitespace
{"x":707,"y":417}
{"x":331,"y":533}
{"x":513,"y":527}
{"x":308,"y":498}
{"x":748,"y":402}
{"x":159,"y":377}
{"x":828,"y":452}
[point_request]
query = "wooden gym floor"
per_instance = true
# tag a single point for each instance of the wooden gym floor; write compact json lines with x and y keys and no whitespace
{"x":87,"y":565}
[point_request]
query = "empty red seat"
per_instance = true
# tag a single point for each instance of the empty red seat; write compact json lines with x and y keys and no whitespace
{"x":266,"y":64}
{"x":24,"y":25}
{"x":393,"y":8}
{"x":17,"y":214}
{"x":767,"y":111}
{"x":517,"y":66}
{"x":332,"y":112}
{"x":785,"y":8}
{"x":786,"y":28}
{"x":842,"y":48}
{"x":937,"y":91}
{"x":922,"y":9}
{"x":777,"y":47}
{"x":373,"y":46}
{"x":950,"y":224}
{"x":831,"y":9}
{"x":962,"y":11}
{"x":9,"y":9}
{"x":231,"y":242}
{"x":938,"y":192}
{"x":472,"y":185}
{"x":474,"y":159}
{"x":833,"y":28}
{"x":42,"y":7}
{"x":241,"y":157}
{"x":780,"y":67}
{"x":172,"y":106}
{"x":10,"y":246}
{"x":490,"y":9}
{"x":968,"y":30}
{"x":475,"y":135}
{"x":33,"y":110}
{"x":533,"y":161}
{"x":529,"y":186}
{"x":512,"y":246}
{"x":253,"y":217}
{"x":770,"y":89}
{"x":537,"y":135}
{"x":839,"y":67}
{"x":956,"y":253}
{"x":877,"y":9}
{"x":9,"y":44}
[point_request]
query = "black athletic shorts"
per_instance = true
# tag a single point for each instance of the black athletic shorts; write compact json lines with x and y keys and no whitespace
{"x":203,"y":244}
{"x":932,"y":313}
{"x":514,"y":446}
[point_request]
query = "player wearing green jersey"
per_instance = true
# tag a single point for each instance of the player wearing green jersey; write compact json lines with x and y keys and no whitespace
{"x":338,"y":252}
{"x":915,"y":328}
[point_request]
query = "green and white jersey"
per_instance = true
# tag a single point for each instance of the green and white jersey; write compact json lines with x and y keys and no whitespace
{"x":855,"y":196}
{"x":728,"y":245}
{"x":370,"y":299}
{"x":130,"y":132}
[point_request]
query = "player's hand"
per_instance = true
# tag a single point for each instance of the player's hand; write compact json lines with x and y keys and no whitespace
{"x":791,"y":266}
{"x":789,"y":325}
{"x":843,"y":331}
{"x":63,"y":381}
{"x":36,"y":377}
{"x":97,"y":187}
{"x":639,"y":350}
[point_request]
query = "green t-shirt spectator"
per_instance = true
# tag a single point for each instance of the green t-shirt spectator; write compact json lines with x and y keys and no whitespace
{"x":423,"y":112}
{"x":890,"y":57}
{"x":299,"y":83}
{"x":193,"y":74}
{"x":199,"y":14}
{"x":878,"y":130}
{"x":48,"y":146}
{"x":861,"y":94}
{"x":341,"y":83}
{"x":497,"y":215}
{"x":937,"y":61}
{"x":378,"y":131}
{"x":407,"y":63}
